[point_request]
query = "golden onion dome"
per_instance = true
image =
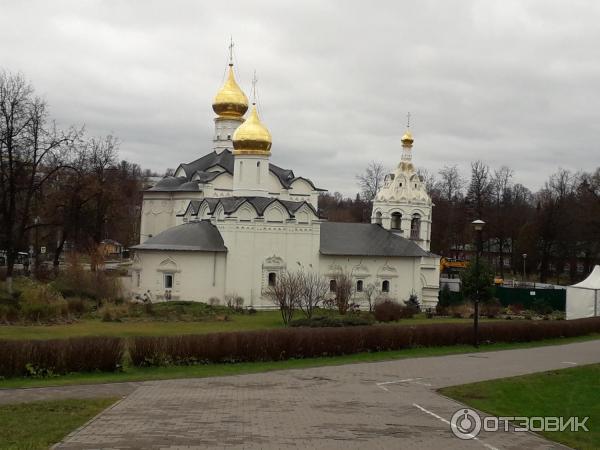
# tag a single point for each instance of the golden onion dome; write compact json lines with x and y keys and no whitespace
{"x":230,"y":101}
{"x":252,"y":137}
{"x":407,"y":139}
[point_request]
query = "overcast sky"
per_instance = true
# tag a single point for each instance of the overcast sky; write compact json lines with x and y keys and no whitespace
{"x":509,"y":82}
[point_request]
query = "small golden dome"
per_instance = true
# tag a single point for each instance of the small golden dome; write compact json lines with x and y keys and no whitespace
{"x":252,"y":137}
{"x":407,"y":139}
{"x":230,"y":101}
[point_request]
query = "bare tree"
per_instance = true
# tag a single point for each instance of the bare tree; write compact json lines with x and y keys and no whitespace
{"x":314,"y":289}
{"x":451,"y":184}
{"x":371,"y":292}
{"x":371,"y":180}
{"x":286,"y":294}
{"x":480,"y":187}
{"x":30,"y":150}
{"x":428,"y":179}
{"x":344,"y":289}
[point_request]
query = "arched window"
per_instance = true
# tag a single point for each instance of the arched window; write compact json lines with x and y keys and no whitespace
{"x":258,"y":172}
{"x":241,"y":169}
{"x":272,"y":278}
{"x":415,"y":227}
{"x":332,"y":285}
{"x":378,"y":218}
{"x":168,"y":280}
{"x":385,"y":286}
{"x":396,"y":221}
{"x":228,"y":137}
{"x":359,"y":286}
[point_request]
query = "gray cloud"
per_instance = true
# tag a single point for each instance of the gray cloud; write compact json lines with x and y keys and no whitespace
{"x":509,"y":82}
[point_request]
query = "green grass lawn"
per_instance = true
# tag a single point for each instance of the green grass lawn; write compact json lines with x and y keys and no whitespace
{"x":128,"y":327}
{"x":567,"y":392}
{"x":130,"y":373}
{"x":38,"y":425}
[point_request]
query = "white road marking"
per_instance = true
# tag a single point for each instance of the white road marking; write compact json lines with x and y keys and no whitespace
{"x":426,"y":411}
{"x":406,"y":380}
{"x":569,"y":362}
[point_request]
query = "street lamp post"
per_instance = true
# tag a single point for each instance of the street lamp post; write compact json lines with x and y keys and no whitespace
{"x":478,"y":228}
{"x":524,"y":275}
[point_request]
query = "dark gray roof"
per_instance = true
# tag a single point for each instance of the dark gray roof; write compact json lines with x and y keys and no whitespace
{"x":231,"y":204}
{"x":169,"y":184}
{"x":365,"y":239}
{"x":200,"y":236}
{"x":225,"y":160}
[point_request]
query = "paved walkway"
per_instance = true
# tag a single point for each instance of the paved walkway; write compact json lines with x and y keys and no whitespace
{"x":373,"y":405}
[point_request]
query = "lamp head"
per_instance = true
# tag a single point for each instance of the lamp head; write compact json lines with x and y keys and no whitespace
{"x":478,"y":224}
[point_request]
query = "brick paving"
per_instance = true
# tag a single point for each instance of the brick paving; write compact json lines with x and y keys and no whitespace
{"x":327,"y":408}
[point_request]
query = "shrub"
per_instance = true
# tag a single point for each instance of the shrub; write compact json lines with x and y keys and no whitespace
{"x":389,"y":310}
{"x":8,"y":313}
{"x":280,"y":344}
{"x":74,"y":281}
{"x":540,"y":306}
{"x":77,"y":306}
{"x":329,"y":321}
{"x":214,"y":301}
{"x":461,"y":311}
{"x":39,"y":302}
{"x":60,"y":356}
{"x":491,"y":309}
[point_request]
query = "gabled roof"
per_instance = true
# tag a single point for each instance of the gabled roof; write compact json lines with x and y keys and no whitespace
{"x":365,"y":239}
{"x":199,"y":236}
{"x":225,"y":160}
{"x":232,"y":204}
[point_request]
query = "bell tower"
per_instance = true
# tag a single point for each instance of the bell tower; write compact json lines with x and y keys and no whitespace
{"x":402,"y":205}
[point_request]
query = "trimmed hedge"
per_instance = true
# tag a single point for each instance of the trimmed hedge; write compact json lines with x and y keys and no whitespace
{"x":280,"y":344}
{"x":60,"y":356}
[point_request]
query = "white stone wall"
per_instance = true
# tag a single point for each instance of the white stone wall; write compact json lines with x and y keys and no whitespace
{"x":258,"y":247}
{"x":251,"y":176}
{"x":224,"y":129}
{"x":405,"y":276}
{"x":197,"y":276}
{"x":160,"y":211}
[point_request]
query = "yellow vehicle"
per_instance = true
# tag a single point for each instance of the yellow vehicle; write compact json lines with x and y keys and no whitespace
{"x":451,"y":266}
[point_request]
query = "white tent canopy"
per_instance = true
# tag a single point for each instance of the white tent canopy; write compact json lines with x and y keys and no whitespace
{"x":583,"y":299}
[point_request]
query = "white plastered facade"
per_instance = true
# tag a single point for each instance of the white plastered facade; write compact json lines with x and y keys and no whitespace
{"x":279,"y":238}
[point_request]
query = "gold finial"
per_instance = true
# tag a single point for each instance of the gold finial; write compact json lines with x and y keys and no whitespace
{"x":230,"y":102}
{"x":231,"y":50}
{"x":254,"y":81}
{"x":407,"y":139}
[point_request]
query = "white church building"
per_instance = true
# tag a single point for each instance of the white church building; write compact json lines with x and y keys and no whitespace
{"x":231,"y":221}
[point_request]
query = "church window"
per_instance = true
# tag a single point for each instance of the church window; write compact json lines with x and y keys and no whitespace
{"x":228,"y":137}
{"x":218,"y":137}
{"x":168,"y":280}
{"x":400,"y":184}
{"x":138,"y":277}
{"x":359,"y":286}
{"x":258,"y":172}
{"x":378,"y":218}
{"x":415,"y":227}
{"x":272,"y":278}
{"x":332,"y":285}
{"x":396,"y":221}
{"x":385,"y":286}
